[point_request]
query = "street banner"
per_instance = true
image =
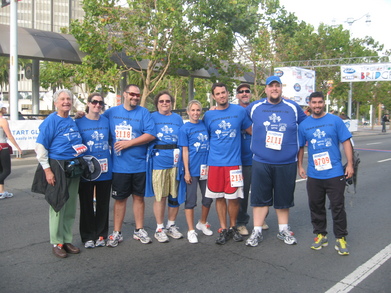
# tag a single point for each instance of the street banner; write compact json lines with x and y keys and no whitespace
{"x":366,"y":72}
{"x":25,"y":133}
{"x":297,"y":83}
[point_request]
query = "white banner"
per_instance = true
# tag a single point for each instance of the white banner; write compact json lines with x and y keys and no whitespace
{"x":298,"y":83}
{"x":352,"y":125}
{"x":366,"y":72}
{"x":25,"y":133}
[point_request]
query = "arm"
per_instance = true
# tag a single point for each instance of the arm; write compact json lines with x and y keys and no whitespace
{"x":300,"y":157}
{"x":142,"y":139}
{"x":43,"y":159}
{"x":348,"y":149}
{"x":250,"y":130}
{"x":185,"y":156}
{"x":7,"y":131}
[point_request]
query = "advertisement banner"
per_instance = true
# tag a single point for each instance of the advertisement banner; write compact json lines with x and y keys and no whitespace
{"x":297,"y":83}
{"x":366,"y":72}
{"x":25,"y":133}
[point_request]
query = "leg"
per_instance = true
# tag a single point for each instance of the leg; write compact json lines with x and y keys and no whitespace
{"x":233,"y":209}
{"x":158,"y":210}
{"x":221,"y":208}
{"x":259,"y":215}
{"x":190,"y":218}
{"x":70,"y":209}
{"x":243,"y":216}
{"x":282,"y":216}
{"x":335,"y":192}
{"x":138,"y":210}
{"x":119,"y":213}
{"x":316,"y":201}
{"x":103,"y":192}
{"x":87,"y":217}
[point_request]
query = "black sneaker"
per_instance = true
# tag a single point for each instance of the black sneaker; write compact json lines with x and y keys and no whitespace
{"x":234,"y":233}
{"x":223,"y":237}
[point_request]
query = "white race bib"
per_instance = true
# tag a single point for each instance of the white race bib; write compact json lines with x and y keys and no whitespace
{"x":123,"y":132}
{"x":274,"y":140}
{"x":103,"y":165}
{"x":236,"y":178}
{"x":322,"y":161}
{"x":176,"y":156}
{"x":203,"y":172}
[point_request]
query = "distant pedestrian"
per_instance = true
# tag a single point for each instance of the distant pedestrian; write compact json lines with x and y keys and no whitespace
{"x":383,"y":122}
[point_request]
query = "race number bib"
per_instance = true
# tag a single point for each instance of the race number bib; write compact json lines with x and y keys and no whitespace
{"x":103,"y":165}
{"x":236,"y":178}
{"x":176,"y":156}
{"x":322,"y":161}
{"x":274,"y":140}
{"x":203,"y":172}
{"x":123,"y":132}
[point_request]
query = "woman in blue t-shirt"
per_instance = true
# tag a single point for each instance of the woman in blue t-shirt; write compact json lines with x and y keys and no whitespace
{"x":194,"y":140}
{"x":94,"y":218}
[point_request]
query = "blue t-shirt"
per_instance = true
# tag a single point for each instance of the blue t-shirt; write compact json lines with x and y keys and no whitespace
{"x":224,"y":128}
{"x":247,"y":154}
{"x":195,"y":137}
{"x":167,"y":130}
{"x":59,"y":135}
{"x":95,"y":135}
{"x":275,"y":130}
{"x":324,"y":136}
{"x":125,"y":125}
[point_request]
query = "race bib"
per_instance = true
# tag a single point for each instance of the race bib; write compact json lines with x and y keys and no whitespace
{"x":176,"y":156}
{"x":274,"y":140}
{"x":79,"y":149}
{"x":236,"y":178}
{"x":123,"y":132}
{"x":322,"y":161}
{"x":103,"y":165}
{"x":203,"y":172}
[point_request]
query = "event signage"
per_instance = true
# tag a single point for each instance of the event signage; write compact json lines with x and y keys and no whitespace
{"x":366,"y":72}
{"x":298,"y":83}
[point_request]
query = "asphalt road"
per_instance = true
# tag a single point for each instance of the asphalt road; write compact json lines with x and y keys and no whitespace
{"x":27,"y":263}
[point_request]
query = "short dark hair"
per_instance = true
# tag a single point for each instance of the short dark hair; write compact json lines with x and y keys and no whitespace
{"x":316,"y":95}
{"x":129,"y":85}
{"x":161,"y":93}
{"x":218,"y":84}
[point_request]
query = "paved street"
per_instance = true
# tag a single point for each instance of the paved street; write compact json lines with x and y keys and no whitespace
{"x":27,"y":264}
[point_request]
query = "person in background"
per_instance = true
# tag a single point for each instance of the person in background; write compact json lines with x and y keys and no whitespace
{"x":59,"y":148}
{"x":165,"y":162}
{"x":324,"y":133}
{"x":95,"y":133}
{"x":194,"y":140}
{"x":5,"y":152}
{"x":383,"y":122}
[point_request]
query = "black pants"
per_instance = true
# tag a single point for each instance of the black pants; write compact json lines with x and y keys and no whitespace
{"x":94,"y":224}
{"x":5,"y":165}
{"x":335,"y":189}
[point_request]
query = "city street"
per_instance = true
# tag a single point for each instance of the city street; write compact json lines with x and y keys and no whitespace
{"x":28,"y":265}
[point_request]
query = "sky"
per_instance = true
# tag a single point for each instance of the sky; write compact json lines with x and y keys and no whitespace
{"x":339,"y":11}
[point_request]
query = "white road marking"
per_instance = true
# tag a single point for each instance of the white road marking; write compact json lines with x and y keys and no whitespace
{"x":385,"y":160}
{"x":373,"y":143}
{"x":362,"y":272}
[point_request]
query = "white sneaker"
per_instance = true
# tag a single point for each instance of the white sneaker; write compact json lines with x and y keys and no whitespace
{"x":192,"y":236}
{"x":173,"y":232}
{"x":205,"y":228}
{"x":89,"y":244}
{"x":142,"y":235}
{"x":243,"y":230}
{"x":287,"y":236}
{"x":161,"y":236}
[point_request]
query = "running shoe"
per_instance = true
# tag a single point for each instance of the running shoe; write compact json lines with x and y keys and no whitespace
{"x":142,"y":235}
{"x":205,"y":228}
{"x":255,"y":238}
{"x":243,"y":230}
{"x":341,"y":246}
{"x":161,"y":236}
{"x":320,"y":241}
{"x":173,"y":232}
{"x":223,"y":237}
{"x":114,"y":239}
{"x":192,"y":236}
{"x":234,"y":234}
{"x":287,"y":236}
{"x":100,"y":242}
{"x":89,"y":244}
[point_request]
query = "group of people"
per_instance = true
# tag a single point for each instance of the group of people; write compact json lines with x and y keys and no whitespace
{"x":254,"y":146}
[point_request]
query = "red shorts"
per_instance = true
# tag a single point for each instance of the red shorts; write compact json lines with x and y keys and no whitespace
{"x":219,"y":183}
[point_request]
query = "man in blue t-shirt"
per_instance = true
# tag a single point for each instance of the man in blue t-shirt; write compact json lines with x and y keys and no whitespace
{"x":275,"y":146}
{"x":131,"y":129}
{"x":324,"y":132}
{"x":225,"y":181}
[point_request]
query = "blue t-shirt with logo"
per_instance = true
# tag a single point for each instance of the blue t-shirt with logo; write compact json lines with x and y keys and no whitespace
{"x":195,"y":137}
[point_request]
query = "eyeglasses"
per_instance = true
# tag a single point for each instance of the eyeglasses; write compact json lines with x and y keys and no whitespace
{"x":244,"y":91}
{"x":162,"y":101}
{"x":95,"y":102}
{"x":133,"y":94}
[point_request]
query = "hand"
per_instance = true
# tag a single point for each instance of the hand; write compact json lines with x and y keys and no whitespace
{"x":188,"y":178}
{"x":79,"y":114}
{"x":121,"y":145}
{"x":50,"y":176}
{"x":302,"y":173}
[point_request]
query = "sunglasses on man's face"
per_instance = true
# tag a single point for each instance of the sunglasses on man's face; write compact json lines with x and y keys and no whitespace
{"x":133,"y":94}
{"x":95,"y":102}
{"x":244,"y":91}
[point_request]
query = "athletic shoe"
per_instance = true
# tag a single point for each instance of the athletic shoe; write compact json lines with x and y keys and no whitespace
{"x":341,"y":246}
{"x":142,"y":235}
{"x":205,"y":228}
{"x":234,"y":233}
{"x":100,"y":242}
{"x":2,"y":196}
{"x":114,"y":239}
{"x":255,"y":238}
{"x":192,"y":236}
{"x":173,"y":232}
{"x":223,"y":237}
{"x":265,"y":226}
{"x":89,"y":244}
{"x":243,"y":230}
{"x":6,"y":194}
{"x":320,"y":241}
{"x":161,"y":236}
{"x":287,"y":236}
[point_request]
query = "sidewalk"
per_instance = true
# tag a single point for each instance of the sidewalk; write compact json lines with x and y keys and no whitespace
{"x":369,"y":130}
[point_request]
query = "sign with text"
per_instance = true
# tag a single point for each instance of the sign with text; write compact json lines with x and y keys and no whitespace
{"x":25,"y":133}
{"x":366,"y":72}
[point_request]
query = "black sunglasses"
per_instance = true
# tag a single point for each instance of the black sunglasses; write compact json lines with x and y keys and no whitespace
{"x":244,"y":91}
{"x":95,"y":102}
